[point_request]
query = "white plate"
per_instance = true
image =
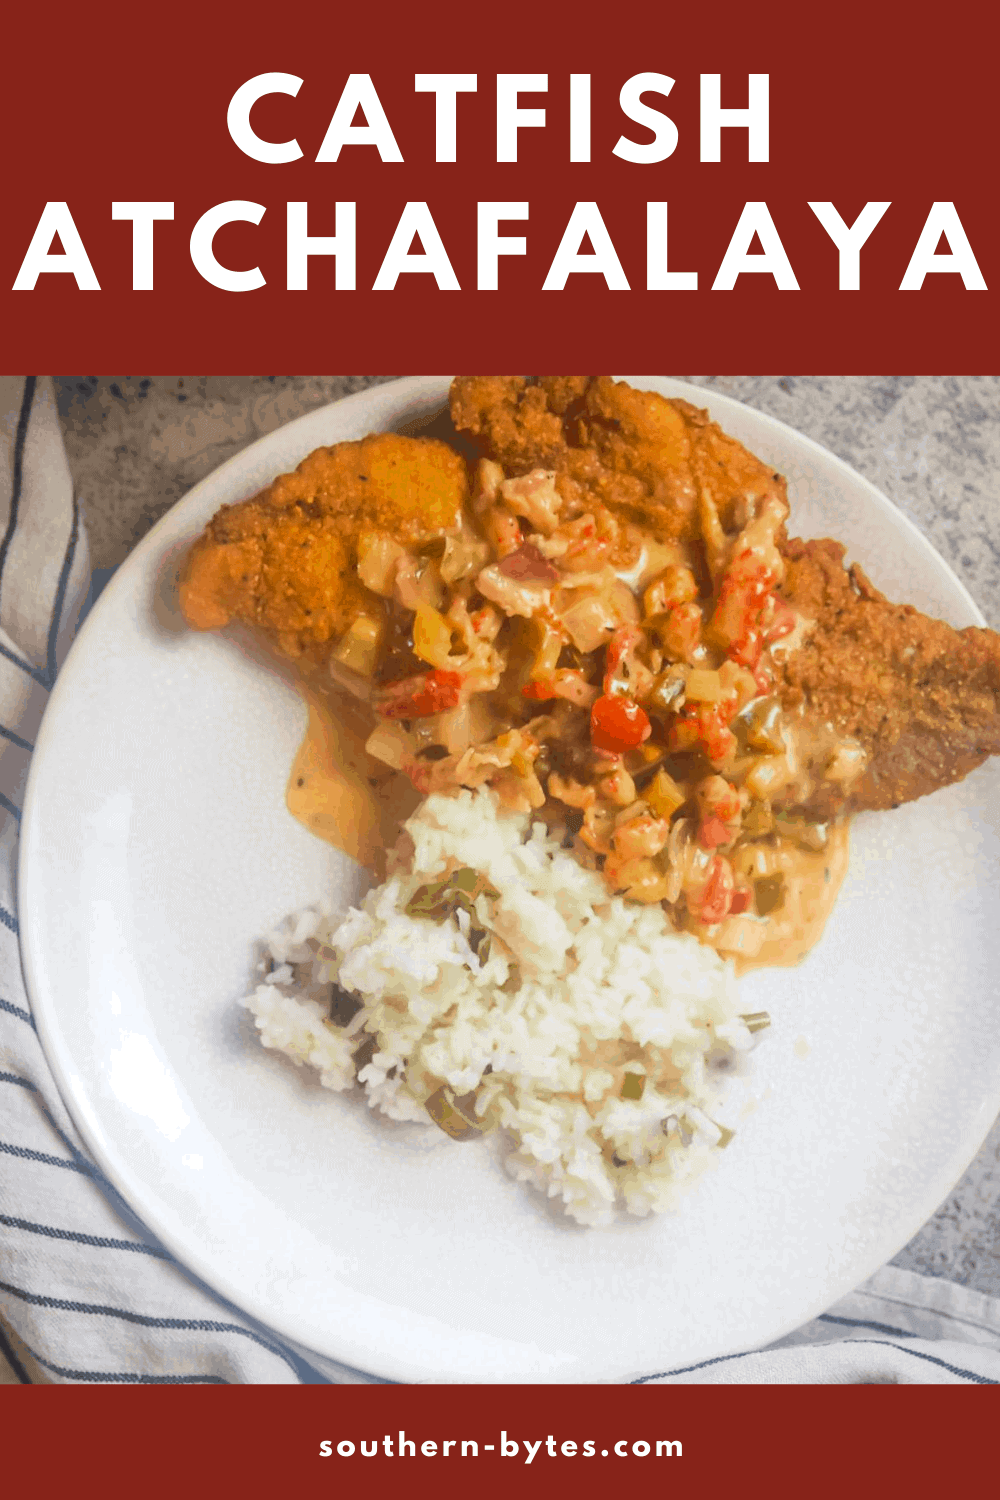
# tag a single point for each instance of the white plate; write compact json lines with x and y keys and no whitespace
{"x":156,"y":847}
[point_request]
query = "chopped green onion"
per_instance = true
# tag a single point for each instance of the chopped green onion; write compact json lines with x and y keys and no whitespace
{"x":344,"y":1005}
{"x":365,"y":1051}
{"x":430,"y":901}
{"x":756,"y":1020}
{"x":473,"y":882}
{"x":455,"y":1116}
{"x":481,"y":943}
{"x":633,"y":1085}
{"x":440,"y":899}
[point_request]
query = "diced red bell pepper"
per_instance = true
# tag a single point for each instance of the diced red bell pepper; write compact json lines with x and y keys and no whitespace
{"x":617,"y":724}
{"x":419,"y":697}
{"x":716,"y":897}
{"x":742,"y":897}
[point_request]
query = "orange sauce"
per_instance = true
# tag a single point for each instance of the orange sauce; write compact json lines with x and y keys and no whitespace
{"x":338,"y":791}
{"x":812,"y":880}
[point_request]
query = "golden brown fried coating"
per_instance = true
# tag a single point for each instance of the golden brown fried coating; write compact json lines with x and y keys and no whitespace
{"x":921,"y":698}
{"x":285,"y":561}
{"x":513,"y":420}
{"x":611,"y":445}
{"x":412,"y":488}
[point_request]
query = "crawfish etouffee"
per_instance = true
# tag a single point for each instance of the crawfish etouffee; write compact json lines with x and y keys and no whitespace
{"x":590,"y":604}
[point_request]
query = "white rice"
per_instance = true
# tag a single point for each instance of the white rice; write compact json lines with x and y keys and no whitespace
{"x":578,"y":988}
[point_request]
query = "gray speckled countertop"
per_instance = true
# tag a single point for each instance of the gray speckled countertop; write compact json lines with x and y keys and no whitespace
{"x":136,"y":444}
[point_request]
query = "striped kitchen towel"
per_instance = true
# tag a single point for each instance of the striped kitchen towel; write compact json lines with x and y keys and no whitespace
{"x":86,"y":1291}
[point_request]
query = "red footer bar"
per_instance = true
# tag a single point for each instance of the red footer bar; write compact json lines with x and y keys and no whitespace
{"x":493,"y":1440}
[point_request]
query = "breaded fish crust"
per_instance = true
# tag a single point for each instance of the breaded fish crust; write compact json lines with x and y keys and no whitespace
{"x":610,"y":445}
{"x":285,"y":561}
{"x":922,"y":699}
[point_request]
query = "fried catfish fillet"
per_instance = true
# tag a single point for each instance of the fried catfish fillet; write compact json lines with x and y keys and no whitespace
{"x":922,"y":699}
{"x":285,"y":561}
{"x":661,"y":461}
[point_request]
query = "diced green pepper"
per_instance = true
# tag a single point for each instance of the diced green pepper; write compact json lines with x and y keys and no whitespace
{"x":810,"y":835}
{"x":758,"y":819}
{"x":769,"y":894}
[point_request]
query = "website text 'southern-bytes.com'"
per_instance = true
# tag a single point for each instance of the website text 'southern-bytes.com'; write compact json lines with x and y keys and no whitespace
{"x":527,"y":1449}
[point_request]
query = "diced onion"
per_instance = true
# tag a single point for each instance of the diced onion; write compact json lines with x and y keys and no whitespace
{"x":624,"y":602}
{"x":489,"y":478}
{"x":390,"y":744}
{"x":736,"y":679}
{"x":464,"y":555}
{"x":378,"y":555}
{"x":743,"y":935}
{"x":768,"y":775}
{"x":358,"y":647}
{"x":417,"y":582}
{"x":535,"y":497}
{"x":847,"y":761}
{"x":514,"y":598}
{"x":453,"y":729}
{"x":590,"y":622}
{"x":704,"y":686}
{"x":547,"y":654}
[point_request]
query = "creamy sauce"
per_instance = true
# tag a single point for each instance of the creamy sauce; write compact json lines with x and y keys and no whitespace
{"x":338,"y":791}
{"x":357,"y":804}
{"x":812,"y":880}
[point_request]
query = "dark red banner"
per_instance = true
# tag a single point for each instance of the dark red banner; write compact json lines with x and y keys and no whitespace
{"x":868,"y":110}
{"x":481,"y":1440}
